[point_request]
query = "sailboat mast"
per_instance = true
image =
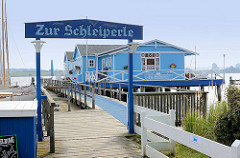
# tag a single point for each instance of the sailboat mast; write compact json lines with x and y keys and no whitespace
{"x":1,"y":74}
{"x":3,"y":53}
{"x":6,"y":39}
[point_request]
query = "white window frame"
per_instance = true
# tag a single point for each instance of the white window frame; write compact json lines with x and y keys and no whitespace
{"x":103,"y":64}
{"x":110,"y":61}
{"x":155,"y":62}
{"x":93,"y":63}
{"x":107,"y":64}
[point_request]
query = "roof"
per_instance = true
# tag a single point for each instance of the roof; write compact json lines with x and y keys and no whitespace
{"x":69,"y":55}
{"x":18,"y":108}
{"x":157,"y":43}
{"x":186,"y":51}
{"x":96,"y":49}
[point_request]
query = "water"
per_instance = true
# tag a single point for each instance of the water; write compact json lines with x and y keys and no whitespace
{"x":26,"y":81}
{"x":21,"y":81}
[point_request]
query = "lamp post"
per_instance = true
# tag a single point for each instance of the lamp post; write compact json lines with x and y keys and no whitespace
{"x":224,"y":55}
{"x":38,"y":45}
{"x":131,"y":49}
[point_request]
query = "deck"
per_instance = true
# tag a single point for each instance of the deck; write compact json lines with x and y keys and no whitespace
{"x":89,"y":133}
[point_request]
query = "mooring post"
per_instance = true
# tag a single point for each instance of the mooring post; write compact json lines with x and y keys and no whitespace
{"x":93,"y":97}
{"x":111,"y":92}
{"x":85,"y":95}
{"x":219,"y":93}
{"x":120,"y":92}
{"x":69,"y":98}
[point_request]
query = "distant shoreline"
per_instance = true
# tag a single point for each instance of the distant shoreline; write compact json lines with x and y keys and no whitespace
{"x":33,"y":74}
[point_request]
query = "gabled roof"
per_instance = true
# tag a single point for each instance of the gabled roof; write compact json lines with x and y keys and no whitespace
{"x":155,"y":43}
{"x":68,"y":56}
{"x":96,"y":49}
{"x":160,"y":43}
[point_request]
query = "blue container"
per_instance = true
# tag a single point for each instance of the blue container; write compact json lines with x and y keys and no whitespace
{"x":19,"y":118}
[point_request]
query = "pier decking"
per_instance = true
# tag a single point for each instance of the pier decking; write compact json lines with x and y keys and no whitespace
{"x":88,"y":133}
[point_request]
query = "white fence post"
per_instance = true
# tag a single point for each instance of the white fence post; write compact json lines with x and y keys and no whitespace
{"x":143,"y":134}
{"x":172,"y":123}
{"x":236,"y":149}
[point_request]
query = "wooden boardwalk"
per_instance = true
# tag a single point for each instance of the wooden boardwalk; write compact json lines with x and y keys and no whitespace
{"x":87,"y":134}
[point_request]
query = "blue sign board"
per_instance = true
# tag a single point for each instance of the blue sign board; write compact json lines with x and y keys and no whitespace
{"x":83,"y":29}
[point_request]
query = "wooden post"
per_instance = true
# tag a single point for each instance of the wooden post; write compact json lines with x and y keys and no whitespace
{"x":111,"y":92}
{"x":120,"y":92}
{"x":204,"y":104}
{"x":71,"y":84}
{"x":90,"y":86}
{"x":85,"y":95}
{"x":93,"y":97}
{"x":98,"y":88}
{"x":80,"y":94}
{"x":219,"y":93}
{"x":52,"y":135}
{"x":143,"y":89}
{"x":69,"y":98}
{"x":231,"y":80}
{"x":75,"y":91}
{"x":65,"y":89}
{"x":48,"y":118}
{"x":104,"y":89}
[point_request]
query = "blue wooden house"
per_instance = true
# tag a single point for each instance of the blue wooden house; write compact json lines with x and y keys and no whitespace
{"x":153,"y":61}
{"x":68,"y":60}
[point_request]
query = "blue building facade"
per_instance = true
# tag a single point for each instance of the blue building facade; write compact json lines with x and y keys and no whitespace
{"x":153,"y":61}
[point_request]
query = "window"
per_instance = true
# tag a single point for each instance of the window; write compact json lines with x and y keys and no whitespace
{"x":110,"y":61}
{"x":150,"y":61}
{"x":91,"y":63}
{"x":107,"y":64}
{"x":103,"y":64}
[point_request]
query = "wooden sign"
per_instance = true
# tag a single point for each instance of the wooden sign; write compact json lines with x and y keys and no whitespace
{"x":8,"y":146}
{"x":83,"y":29}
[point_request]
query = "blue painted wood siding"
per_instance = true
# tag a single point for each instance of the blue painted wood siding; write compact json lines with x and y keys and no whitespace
{"x":25,"y":129}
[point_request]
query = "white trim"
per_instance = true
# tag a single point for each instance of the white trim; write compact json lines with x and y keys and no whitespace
{"x":89,"y":63}
{"x":155,"y":62}
{"x":103,"y":62}
{"x":96,"y":56}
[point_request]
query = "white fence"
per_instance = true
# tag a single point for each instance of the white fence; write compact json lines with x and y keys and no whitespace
{"x":156,"y":140}
{"x":198,"y":143}
{"x":168,"y":74}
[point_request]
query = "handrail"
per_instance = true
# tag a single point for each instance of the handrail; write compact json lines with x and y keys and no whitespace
{"x":48,"y":115}
{"x":71,"y":89}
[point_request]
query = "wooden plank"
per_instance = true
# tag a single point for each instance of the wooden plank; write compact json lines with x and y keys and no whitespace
{"x":88,"y":133}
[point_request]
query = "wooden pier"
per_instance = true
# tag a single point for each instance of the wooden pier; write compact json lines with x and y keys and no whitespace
{"x":88,"y":133}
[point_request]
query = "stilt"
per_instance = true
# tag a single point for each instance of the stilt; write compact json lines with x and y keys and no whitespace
{"x":142,"y":89}
{"x":219,"y":93}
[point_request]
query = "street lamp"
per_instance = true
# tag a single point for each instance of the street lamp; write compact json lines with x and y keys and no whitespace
{"x":224,"y":55}
{"x":38,"y":45}
{"x":131,"y":49}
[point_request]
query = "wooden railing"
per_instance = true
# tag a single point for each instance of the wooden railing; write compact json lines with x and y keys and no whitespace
{"x":73,"y":92}
{"x":181,"y":102}
{"x":48,"y":105}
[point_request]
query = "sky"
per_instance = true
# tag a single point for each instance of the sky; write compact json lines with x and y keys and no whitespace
{"x":212,"y":26}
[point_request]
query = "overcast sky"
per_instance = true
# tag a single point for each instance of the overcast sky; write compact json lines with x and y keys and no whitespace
{"x":213,"y":26}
